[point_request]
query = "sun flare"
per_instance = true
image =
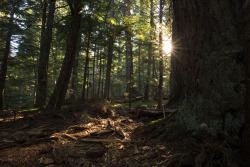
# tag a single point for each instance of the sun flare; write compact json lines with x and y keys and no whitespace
{"x":167,"y":47}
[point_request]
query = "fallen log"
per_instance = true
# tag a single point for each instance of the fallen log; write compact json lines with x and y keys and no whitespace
{"x":152,"y":113}
{"x":134,"y":99}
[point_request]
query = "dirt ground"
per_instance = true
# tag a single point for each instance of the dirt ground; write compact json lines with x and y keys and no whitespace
{"x":91,"y":136}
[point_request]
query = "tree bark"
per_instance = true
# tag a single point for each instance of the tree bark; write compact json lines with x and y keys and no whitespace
{"x":3,"y":71}
{"x":46,"y":38}
{"x":93,"y":71}
{"x":150,"y":52}
{"x":110,"y":57}
{"x":75,"y":73}
{"x":139,"y":67}
{"x":100,"y":77}
{"x":129,"y":59}
{"x":86,"y":68}
{"x":207,"y":65}
{"x":61,"y":87}
{"x":246,"y":132}
{"x":161,"y":60}
{"x":108,"y":70}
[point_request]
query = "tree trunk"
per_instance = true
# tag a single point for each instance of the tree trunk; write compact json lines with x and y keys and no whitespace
{"x":139,"y":67}
{"x":100,"y":77}
{"x":110,"y":57}
{"x":150,"y":50}
{"x":86,"y":68}
{"x":108,"y":70}
{"x":246,"y":132}
{"x":93,"y":75}
{"x":129,"y":59}
{"x":207,"y":65}
{"x":61,"y":87}
{"x":102,"y":80}
{"x":161,"y":60}
{"x":46,"y":38}
{"x":75,"y":73}
{"x":3,"y":71}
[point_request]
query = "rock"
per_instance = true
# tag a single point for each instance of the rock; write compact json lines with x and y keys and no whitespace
{"x":203,"y":126}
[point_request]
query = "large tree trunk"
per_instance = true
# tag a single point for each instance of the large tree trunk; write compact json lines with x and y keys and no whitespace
{"x":46,"y":38}
{"x":129,"y":58}
{"x":61,"y":87}
{"x":150,"y":52}
{"x":246,"y":133}
{"x":3,"y":71}
{"x":207,"y":65}
{"x":110,"y":56}
{"x":129,"y":54}
{"x":108,"y":70}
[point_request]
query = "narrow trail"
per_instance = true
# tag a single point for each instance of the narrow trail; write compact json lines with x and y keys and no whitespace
{"x":90,"y":136}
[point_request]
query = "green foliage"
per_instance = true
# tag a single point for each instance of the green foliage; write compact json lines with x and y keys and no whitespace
{"x":97,"y":20}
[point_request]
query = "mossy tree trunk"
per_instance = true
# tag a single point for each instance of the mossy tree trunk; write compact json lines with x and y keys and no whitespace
{"x":246,"y":137}
{"x":207,"y":65}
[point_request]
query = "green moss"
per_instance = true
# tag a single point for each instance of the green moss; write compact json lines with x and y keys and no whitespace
{"x":156,"y":121}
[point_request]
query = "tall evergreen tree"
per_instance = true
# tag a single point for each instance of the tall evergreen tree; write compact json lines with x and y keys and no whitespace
{"x":207,"y":77}
{"x":60,"y":90}
{"x":110,"y":56}
{"x":150,"y":51}
{"x":3,"y":71}
{"x":46,"y":38}
{"x":161,"y":58}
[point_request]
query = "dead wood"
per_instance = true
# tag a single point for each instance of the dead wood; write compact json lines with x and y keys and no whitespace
{"x":121,"y":132}
{"x":152,"y":113}
{"x":70,"y":136}
{"x":104,"y":132}
{"x":79,"y":127}
{"x":104,"y":140}
{"x":134,"y":99}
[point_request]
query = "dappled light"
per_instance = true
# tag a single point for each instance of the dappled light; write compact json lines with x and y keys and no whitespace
{"x":102,"y":135}
{"x":124,"y":83}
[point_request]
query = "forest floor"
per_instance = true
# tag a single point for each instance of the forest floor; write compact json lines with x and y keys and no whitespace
{"x":96,"y":135}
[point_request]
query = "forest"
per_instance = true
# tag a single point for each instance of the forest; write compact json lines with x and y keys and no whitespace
{"x":125,"y":83}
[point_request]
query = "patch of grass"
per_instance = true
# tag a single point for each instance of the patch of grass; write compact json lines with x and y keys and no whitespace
{"x":26,"y":110}
{"x":115,"y":105}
